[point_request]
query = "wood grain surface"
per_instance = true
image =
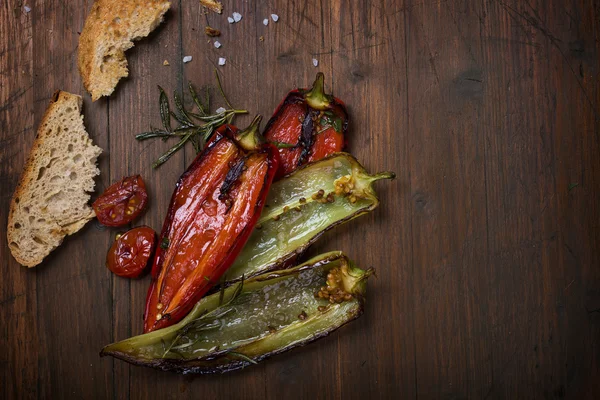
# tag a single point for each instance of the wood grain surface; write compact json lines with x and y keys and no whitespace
{"x":487,"y":245}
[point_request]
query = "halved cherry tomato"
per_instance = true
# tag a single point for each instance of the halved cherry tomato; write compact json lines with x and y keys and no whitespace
{"x":129,"y":254}
{"x":121,"y":202}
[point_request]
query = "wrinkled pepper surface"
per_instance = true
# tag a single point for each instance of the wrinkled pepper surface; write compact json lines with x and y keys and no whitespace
{"x":213,"y":210}
{"x":255,"y":319}
{"x":301,"y":207}
{"x":307,"y":126}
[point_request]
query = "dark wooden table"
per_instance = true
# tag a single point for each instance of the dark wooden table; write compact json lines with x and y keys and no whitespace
{"x":486,"y":246}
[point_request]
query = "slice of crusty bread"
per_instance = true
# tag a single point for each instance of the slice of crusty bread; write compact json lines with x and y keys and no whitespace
{"x":51,"y":198}
{"x":109,"y":30}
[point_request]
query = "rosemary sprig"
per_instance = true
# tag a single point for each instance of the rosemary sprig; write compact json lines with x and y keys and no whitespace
{"x":282,"y":145}
{"x":206,"y":321}
{"x":221,"y":89}
{"x":193,"y":127}
{"x":241,"y":356}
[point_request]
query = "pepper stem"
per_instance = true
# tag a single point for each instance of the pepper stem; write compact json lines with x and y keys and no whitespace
{"x":316,"y":97}
{"x":382,"y":175}
{"x":250,"y":138}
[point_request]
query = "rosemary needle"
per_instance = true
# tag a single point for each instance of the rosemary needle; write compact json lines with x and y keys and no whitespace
{"x":193,"y":127}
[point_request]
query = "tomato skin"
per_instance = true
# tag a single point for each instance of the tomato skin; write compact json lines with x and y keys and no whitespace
{"x":121,"y":202}
{"x":130,"y":254}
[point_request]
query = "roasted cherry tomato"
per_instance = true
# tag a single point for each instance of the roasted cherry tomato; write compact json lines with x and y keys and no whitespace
{"x":130,"y":253}
{"x":121,"y":202}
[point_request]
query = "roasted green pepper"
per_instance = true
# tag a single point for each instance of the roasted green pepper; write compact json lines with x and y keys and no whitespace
{"x":255,"y":319}
{"x":301,"y":207}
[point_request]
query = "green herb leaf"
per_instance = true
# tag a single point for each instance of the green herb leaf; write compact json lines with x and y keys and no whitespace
{"x":207,"y":99}
{"x":188,"y":130}
{"x":164,"y":243}
{"x":573,"y":185}
{"x":152,"y":134}
{"x":241,"y":356}
{"x":337,"y":125}
{"x":203,"y":111}
{"x":221,"y":89}
{"x":181,"y":115}
{"x":281,"y":145}
{"x":165,"y":110}
{"x":236,"y":292}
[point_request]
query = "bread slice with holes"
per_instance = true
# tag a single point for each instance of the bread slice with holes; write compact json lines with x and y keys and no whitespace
{"x":109,"y":30}
{"x":51,"y":199}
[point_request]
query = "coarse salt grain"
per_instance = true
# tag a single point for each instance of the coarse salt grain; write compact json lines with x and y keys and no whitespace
{"x":222,"y":61}
{"x":237,"y":17}
{"x":230,"y":20}
{"x":187,"y":59}
{"x":315,"y":62}
{"x":275,"y":17}
{"x":266,"y":21}
{"x":27,"y":9}
{"x":220,"y":110}
{"x":217,"y":44}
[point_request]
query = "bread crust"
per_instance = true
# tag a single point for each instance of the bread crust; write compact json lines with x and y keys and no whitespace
{"x":29,"y":172}
{"x":109,"y":30}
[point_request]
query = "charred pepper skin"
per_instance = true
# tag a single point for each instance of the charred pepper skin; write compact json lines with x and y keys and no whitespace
{"x":222,"y":334}
{"x":307,"y":126}
{"x":213,"y":210}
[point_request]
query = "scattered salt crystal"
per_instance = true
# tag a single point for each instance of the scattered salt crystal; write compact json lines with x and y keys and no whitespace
{"x":266,"y":21}
{"x":275,"y":17}
{"x":230,"y":20}
{"x":220,"y":110}
{"x":315,"y":62}
{"x":237,"y":17}
{"x":217,"y":44}
{"x":27,"y":9}
{"x":187,"y":59}
{"x":222,"y":61}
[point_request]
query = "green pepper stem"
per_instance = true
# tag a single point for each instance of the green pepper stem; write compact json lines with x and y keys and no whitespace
{"x":382,"y":175}
{"x":316,"y":97}
{"x":250,"y":138}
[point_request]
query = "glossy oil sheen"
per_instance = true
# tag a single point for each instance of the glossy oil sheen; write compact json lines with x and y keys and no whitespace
{"x":263,"y":319}
{"x":129,"y":255}
{"x":249,"y":317}
{"x":205,"y":228}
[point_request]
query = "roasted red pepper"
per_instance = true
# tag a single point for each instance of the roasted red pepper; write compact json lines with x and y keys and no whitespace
{"x":213,"y":210}
{"x":307,"y":126}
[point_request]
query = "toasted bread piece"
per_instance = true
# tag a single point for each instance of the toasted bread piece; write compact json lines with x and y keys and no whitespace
{"x":51,"y":199}
{"x":109,"y":30}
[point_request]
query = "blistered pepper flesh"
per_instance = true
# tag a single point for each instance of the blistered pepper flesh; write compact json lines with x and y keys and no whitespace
{"x":301,"y":207}
{"x":253,"y":320}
